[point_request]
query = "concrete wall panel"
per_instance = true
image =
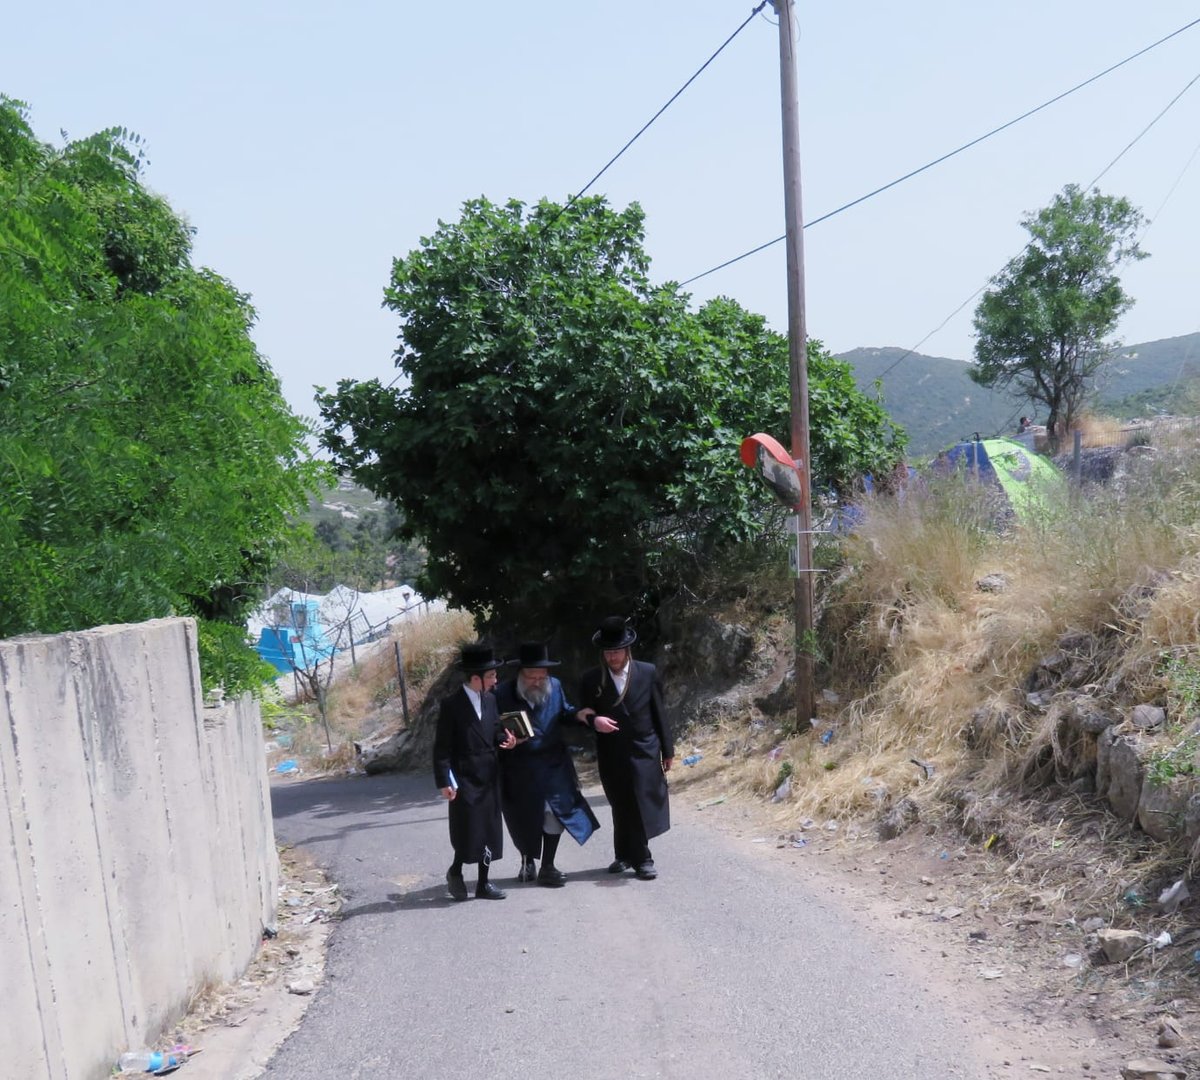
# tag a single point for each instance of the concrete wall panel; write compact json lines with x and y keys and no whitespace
{"x":137,"y":856}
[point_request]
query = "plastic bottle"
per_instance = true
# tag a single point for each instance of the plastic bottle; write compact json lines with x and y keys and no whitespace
{"x":148,"y":1061}
{"x":691,"y":759}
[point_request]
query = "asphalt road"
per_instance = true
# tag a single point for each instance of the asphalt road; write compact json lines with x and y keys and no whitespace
{"x":730,"y":965}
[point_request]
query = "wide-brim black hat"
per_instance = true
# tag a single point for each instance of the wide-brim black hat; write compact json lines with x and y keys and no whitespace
{"x":478,"y":658}
{"x":614,"y":633}
{"x":533,"y":654}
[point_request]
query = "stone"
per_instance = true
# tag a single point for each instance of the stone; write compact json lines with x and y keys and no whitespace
{"x":1151,"y":1069}
{"x":780,"y":700}
{"x":1056,"y":662}
{"x":1126,"y":771}
{"x":1162,"y":808}
{"x":1169,"y":1033}
{"x":1091,"y":925}
{"x":1147,"y":717}
{"x":301,"y":987}
{"x":994,"y":583}
{"x":385,"y":753}
{"x":1087,"y":715}
{"x":1191,"y":818}
{"x":1120,"y":946}
{"x":1104,"y":742}
{"x":903,"y":816}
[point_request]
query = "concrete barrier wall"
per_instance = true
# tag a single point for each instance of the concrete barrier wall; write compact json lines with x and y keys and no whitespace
{"x":137,"y":856}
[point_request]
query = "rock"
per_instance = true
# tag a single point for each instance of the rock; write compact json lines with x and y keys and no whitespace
{"x":1162,"y":807}
{"x":1104,"y":742}
{"x":1090,"y":926}
{"x":1169,"y":1033}
{"x":780,"y":700}
{"x":301,"y":986}
{"x":784,"y":790}
{"x":994,"y":583}
{"x":1191,"y":818}
{"x":1087,"y":715}
{"x":721,"y":650}
{"x":1125,"y":775}
{"x":1056,"y":662}
{"x":1147,"y":717}
{"x":903,"y":815}
{"x":1120,"y":946}
{"x":384,"y":753}
{"x":990,"y":727}
{"x":1151,"y":1069}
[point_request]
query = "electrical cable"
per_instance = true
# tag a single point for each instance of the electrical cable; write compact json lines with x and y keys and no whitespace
{"x":642,"y":130}
{"x":952,"y":153}
{"x":1133,"y":142}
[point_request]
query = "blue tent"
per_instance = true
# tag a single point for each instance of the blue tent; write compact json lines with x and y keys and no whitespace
{"x":1029,"y":481}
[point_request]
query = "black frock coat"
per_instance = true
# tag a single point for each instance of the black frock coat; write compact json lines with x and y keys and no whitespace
{"x":469,"y":745}
{"x":630,"y":759}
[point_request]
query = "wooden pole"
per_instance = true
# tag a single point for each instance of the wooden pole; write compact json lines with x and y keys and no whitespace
{"x":798,"y":365}
{"x":403,"y":684}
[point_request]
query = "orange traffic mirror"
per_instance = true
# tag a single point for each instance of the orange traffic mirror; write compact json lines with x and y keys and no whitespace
{"x":776,"y":467}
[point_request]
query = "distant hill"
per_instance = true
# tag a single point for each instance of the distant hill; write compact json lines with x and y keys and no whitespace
{"x":933,"y":398}
{"x":936,"y":402}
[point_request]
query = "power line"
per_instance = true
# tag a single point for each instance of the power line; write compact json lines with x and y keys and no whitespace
{"x":1129,"y":146}
{"x":952,"y":153}
{"x":642,"y":130}
{"x":1166,"y":108}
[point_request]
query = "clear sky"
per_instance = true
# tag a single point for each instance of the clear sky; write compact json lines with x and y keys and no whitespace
{"x":310,"y":143}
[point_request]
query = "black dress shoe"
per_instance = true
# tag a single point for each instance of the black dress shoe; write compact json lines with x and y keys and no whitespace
{"x":551,"y":876}
{"x":618,"y":866}
{"x":528,"y":871}
{"x":489,"y":892}
{"x":646,"y":871}
{"x":458,"y":887}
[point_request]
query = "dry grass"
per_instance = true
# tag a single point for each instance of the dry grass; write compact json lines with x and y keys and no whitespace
{"x":931,"y":668}
{"x":365,"y":697}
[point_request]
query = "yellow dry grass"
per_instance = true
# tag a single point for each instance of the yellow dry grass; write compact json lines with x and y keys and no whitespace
{"x":918,"y":650}
{"x":365,"y":696}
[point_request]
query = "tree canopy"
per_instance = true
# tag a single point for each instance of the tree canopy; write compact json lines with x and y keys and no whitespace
{"x":1044,"y":326}
{"x":148,"y":461}
{"x":563,"y":436}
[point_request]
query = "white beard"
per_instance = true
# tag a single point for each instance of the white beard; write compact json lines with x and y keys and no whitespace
{"x":537,"y":696}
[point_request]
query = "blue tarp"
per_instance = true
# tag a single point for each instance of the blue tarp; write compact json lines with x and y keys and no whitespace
{"x":298,"y":646}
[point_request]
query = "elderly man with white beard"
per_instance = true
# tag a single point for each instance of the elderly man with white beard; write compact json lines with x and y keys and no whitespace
{"x":539,"y":791}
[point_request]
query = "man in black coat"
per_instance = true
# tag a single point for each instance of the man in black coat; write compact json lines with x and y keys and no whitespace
{"x":539,"y":790}
{"x":466,"y":769}
{"x":622,"y":701}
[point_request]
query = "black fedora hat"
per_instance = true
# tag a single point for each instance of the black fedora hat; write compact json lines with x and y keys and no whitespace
{"x":478,"y":658}
{"x":614,"y":633}
{"x":533,"y":654}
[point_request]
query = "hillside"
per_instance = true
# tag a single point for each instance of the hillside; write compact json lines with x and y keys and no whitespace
{"x":934,"y":399}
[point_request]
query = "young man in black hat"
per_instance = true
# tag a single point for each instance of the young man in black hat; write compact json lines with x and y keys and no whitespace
{"x":622,"y":701}
{"x":465,"y":768}
{"x":539,"y":790}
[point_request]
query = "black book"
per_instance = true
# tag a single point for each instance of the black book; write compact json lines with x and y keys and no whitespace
{"x":518,"y":723}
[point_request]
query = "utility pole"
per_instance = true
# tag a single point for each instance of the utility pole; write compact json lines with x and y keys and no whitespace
{"x":798,"y":365}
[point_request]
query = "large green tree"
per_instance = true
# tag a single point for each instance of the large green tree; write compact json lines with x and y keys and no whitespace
{"x":148,"y":461}
{"x":1044,"y":327}
{"x":563,"y":433}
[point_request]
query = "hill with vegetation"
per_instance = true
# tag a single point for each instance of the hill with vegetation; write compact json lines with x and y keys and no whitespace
{"x":936,"y":402}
